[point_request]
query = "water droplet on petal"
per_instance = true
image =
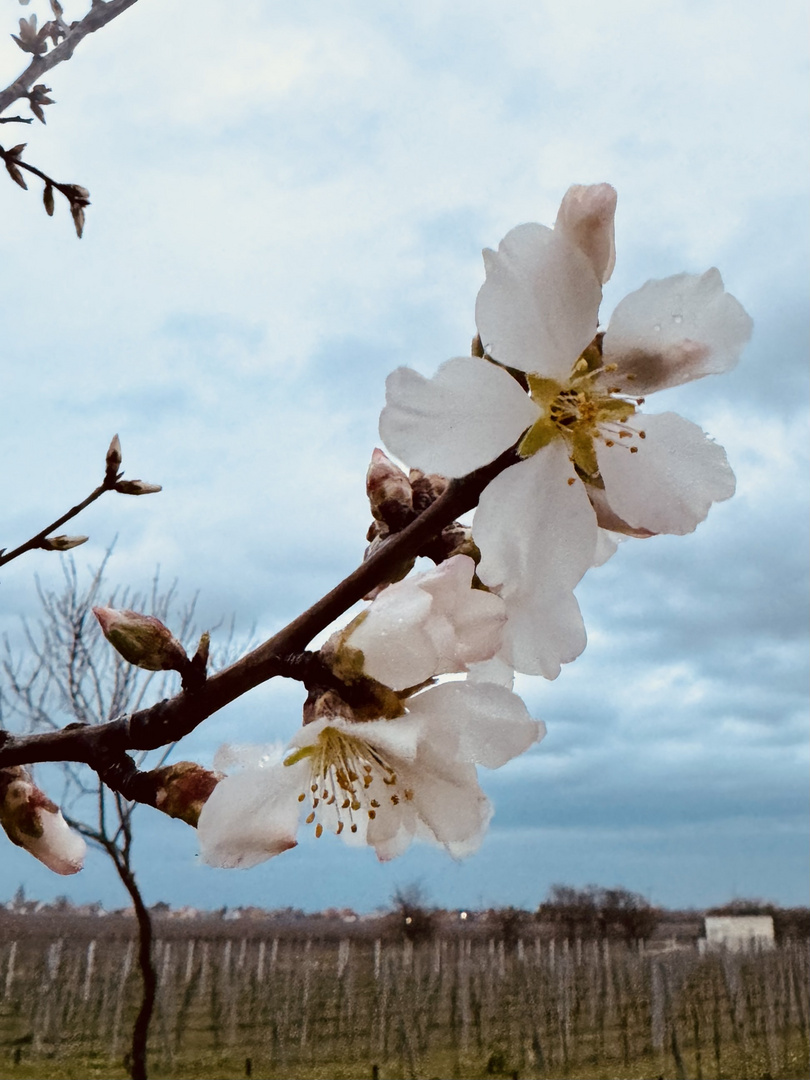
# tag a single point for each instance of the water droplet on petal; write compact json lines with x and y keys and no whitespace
{"x":677,"y":318}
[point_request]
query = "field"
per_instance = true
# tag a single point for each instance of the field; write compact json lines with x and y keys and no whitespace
{"x":282,"y":1005}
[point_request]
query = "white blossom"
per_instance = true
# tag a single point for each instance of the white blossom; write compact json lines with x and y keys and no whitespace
{"x":431,"y":623}
{"x":571,"y":404}
{"x":379,"y":782}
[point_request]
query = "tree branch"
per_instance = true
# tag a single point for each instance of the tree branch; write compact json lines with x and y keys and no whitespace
{"x":99,"y":15}
{"x":112,"y":482}
{"x":171,"y":719}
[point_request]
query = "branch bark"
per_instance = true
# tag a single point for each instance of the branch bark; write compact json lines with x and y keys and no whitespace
{"x":172,"y":719}
{"x":99,"y":15}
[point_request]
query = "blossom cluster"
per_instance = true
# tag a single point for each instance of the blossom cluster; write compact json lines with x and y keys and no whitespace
{"x":416,"y":691}
{"x":591,"y":467}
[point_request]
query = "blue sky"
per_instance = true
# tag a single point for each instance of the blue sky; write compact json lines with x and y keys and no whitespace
{"x":290,"y":200}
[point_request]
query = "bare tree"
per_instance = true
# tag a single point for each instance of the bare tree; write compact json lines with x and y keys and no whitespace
{"x":67,"y":670}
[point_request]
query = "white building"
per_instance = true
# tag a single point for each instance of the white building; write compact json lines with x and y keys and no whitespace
{"x":738,"y":933}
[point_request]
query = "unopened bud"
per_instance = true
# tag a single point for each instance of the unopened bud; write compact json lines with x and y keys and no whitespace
{"x":114,"y":458}
{"x":426,"y":488}
{"x":389,"y":492}
{"x":32,"y":821}
{"x":457,"y":539}
{"x":137,"y":487}
{"x":77,"y":194}
{"x":142,"y":640}
{"x":203,"y":649}
{"x":63,"y":542}
{"x":586,"y":218}
{"x":183,"y":789}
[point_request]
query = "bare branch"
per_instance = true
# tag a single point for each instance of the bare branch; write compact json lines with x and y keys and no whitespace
{"x":112,"y":482}
{"x":170,"y":720}
{"x":99,"y":15}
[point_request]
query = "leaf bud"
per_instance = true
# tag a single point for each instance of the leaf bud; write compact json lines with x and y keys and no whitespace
{"x":113,"y":459}
{"x":142,"y":640}
{"x":183,"y":789}
{"x":32,"y":821}
{"x":389,"y":492}
{"x":77,"y":212}
{"x":426,"y":488}
{"x":137,"y":487}
{"x":63,"y":542}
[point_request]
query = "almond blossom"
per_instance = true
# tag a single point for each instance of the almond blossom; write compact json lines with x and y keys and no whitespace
{"x":380,"y":782}
{"x":405,"y":769}
{"x":569,"y":399}
{"x":432,"y":623}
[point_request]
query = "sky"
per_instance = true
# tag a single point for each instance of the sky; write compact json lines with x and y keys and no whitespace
{"x":289,"y":200}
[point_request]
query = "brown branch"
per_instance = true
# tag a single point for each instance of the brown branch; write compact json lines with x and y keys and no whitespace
{"x":99,"y":15}
{"x":170,"y":720}
{"x":78,"y":197}
{"x":112,"y":482}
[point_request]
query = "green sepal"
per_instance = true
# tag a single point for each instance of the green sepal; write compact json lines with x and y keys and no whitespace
{"x":543,"y":391}
{"x":584,"y":453}
{"x":540,"y":434}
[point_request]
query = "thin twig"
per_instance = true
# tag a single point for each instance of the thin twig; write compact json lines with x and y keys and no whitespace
{"x":172,"y":719}
{"x":99,"y":15}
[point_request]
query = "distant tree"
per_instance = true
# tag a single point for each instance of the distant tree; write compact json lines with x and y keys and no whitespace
{"x":509,"y":922}
{"x":412,"y":918}
{"x":596,"y":912}
{"x":66,"y":668}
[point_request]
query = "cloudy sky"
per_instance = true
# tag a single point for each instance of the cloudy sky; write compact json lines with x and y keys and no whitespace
{"x":288,"y":201}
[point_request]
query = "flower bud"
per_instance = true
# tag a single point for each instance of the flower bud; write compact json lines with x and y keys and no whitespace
{"x":389,"y":492}
{"x":33,"y":822}
{"x":63,"y":542}
{"x":142,"y":640}
{"x":114,"y":458}
{"x":137,"y":487}
{"x":426,"y":488}
{"x":586,"y":218}
{"x":457,"y":539}
{"x":183,"y":789}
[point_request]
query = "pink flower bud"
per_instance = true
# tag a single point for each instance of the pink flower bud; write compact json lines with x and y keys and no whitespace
{"x":183,"y":789}
{"x":33,"y":822}
{"x":142,"y":640}
{"x":586,"y":218}
{"x":389,"y":492}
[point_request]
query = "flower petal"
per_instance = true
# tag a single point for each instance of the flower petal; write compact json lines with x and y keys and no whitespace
{"x":251,"y":816}
{"x":669,"y":485}
{"x":462,"y":418}
{"x":476,"y":722}
{"x":429,"y":624}
{"x":538,"y":308}
{"x":673,"y":330}
{"x":537,"y":534}
{"x":396,"y":650}
{"x":60,"y":848}
{"x":495,"y":671}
